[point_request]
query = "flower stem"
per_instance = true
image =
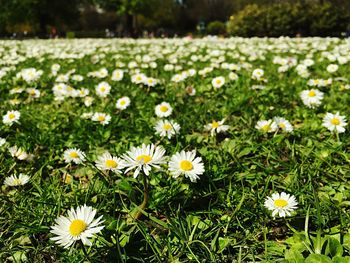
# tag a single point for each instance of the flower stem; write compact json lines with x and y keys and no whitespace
{"x":84,"y":250}
{"x":137,"y":212}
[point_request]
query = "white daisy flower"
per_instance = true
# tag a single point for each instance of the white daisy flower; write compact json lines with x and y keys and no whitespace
{"x":331,"y":68}
{"x":144,"y":158}
{"x":2,"y":141}
{"x":33,"y":93}
{"x":167,"y":128}
{"x":82,"y":93}
{"x":16,"y":90}
{"x":14,"y":180}
{"x":18,"y":153}
{"x":103,"y":89}
{"x":232,"y":76}
{"x":282,"y":204}
{"x":218,"y":82}
{"x":79,"y":225}
{"x":74,"y":155}
{"x":10,"y":117}
{"x":311,"y":98}
{"x":30,"y":74}
{"x":150,"y":82}
{"x":107,"y":162}
{"x":266,"y":126}
{"x":186,"y":163}
{"x":86,"y":115}
{"x":117,"y":75}
{"x":88,"y":101}
{"x":216,"y":127}
{"x":283,"y":124}
{"x":102,"y":118}
{"x":77,"y":78}
{"x":163,"y":110}
{"x":257,"y":74}
{"x":123,"y":103}
{"x":334,"y":122}
{"x":138,"y":78}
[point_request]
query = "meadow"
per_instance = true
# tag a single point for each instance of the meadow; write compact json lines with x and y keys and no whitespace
{"x":175,"y":150}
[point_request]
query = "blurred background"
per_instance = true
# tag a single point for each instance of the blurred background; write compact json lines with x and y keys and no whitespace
{"x":169,"y":18}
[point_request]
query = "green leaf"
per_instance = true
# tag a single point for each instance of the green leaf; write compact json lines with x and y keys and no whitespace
{"x":334,"y":248}
{"x":294,"y":256}
{"x":339,"y":259}
{"x":123,"y":240}
{"x":346,"y":241}
{"x":315,"y":258}
{"x":223,"y":243}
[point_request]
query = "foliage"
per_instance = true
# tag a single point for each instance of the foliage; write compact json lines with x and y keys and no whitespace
{"x":216,"y":28}
{"x":289,"y":19}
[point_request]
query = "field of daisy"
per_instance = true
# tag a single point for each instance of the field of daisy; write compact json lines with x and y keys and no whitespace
{"x":175,"y":150}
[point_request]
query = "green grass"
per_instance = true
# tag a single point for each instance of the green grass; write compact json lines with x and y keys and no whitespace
{"x":222,"y":217}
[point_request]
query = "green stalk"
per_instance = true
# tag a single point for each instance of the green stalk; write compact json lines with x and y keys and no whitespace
{"x":137,"y":212}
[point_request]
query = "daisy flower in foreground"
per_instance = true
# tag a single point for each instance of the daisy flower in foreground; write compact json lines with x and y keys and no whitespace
{"x":218,"y":82}
{"x":282,"y":204}
{"x":102,"y":118}
{"x":283,"y":124}
{"x":144,"y":158}
{"x":334,"y":122}
{"x":163,"y":110}
{"x":17,"y":152}
{"x":311,"y":98}
{"x":216,"y":127}
{"x":14,"y":180}
{"x":74,"y":155}
{"x":11,"y":117}
{"x":186,"y":163}
{"x":266,"y":126}
{"x":117,"y":75}
{"x":103,"y":89}
{"x":107,"y":162}
{"x":123,"y":103}
{"x":166,"y":128}
{"x":79,"y":225}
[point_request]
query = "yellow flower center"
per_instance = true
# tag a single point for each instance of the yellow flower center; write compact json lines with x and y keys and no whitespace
{"x":123,"y":102}
{"x":215,"y":124}
{"x":218,"y":81}
{"x":282,"y":125}
{"x":76,"y":227}
{"x":12,"y":116}
{"x":145,"y":158}
{"x":167,"y":126}
{"x":111,"y":164}
{"x":101,"y":118}
{"x":74,"y":155}
{"x":17,"y":182}
{"x":265,"y":128}
{"x":312,"y":93}
{"x":335,"y":121}
{"x":103,"y":89}
{"x":280,"y":203}
{"x":163,"y":108}
{"x":186,"y":165}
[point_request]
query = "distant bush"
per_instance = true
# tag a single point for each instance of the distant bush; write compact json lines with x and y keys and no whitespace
{"x":286,"y":19}
{"x":216,"y":28}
